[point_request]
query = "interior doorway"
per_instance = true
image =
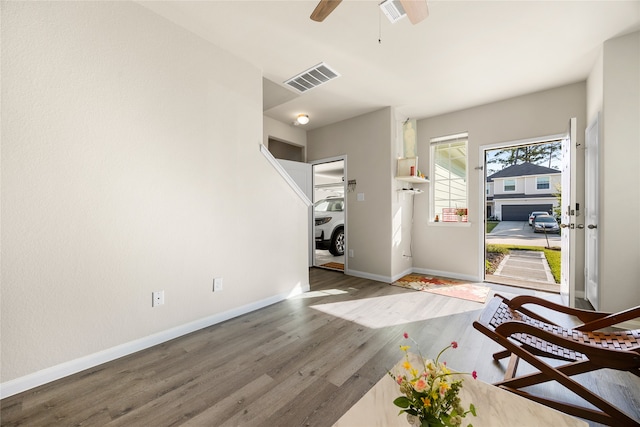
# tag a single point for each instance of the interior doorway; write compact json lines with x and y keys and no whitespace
{"x":330,"y":213}
{"x":522,"y":181}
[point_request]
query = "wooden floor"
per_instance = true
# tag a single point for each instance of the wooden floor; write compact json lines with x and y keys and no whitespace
{"x":300,"y":362}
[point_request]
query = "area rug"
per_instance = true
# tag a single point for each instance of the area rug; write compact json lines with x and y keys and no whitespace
{"x":333,"y":265}
{"x":446,"y":287}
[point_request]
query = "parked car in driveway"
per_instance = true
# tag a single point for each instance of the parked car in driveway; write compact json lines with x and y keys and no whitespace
{"x":533,"y":215}
{"x":329,"y":224}
{"x":545,"y":224}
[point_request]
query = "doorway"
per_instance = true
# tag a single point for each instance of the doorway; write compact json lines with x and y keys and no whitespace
{"x":522,"y":183}
{"x":330,"y":213}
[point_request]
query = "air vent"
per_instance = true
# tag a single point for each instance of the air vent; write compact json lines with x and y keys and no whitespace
{"x":393,"y":10}
{"x":313,"y":77}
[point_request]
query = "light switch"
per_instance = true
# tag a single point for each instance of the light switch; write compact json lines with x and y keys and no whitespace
{"x":361,"y":197}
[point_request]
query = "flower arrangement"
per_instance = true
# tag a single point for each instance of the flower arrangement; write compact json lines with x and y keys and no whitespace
{"x":430,"y":392}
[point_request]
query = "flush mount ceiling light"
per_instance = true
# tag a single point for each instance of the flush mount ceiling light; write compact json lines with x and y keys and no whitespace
{"x":302,"y":119}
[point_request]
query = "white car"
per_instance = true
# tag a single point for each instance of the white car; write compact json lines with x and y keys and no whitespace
{"x":533,"y":215}
{"x":329,"y":228}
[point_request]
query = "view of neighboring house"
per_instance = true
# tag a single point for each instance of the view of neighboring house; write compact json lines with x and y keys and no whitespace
{"x":518,"y":190}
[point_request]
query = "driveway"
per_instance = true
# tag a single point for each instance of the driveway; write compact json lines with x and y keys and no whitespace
{"x":520,"y":233}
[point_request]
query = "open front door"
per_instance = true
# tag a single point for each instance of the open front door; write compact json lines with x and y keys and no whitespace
{"x":569,"y":214}
{"x":591,"y":215}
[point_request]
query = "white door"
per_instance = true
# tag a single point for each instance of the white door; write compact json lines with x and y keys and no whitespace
{"x":302,"y":174}
{"x":591,"y":214}
{"x":568,"y":233}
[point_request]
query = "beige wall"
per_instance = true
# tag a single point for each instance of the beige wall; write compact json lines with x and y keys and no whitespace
{"x":283,"y":132}
{"x":130,"y":163}
{"x":367,"y":142}
{"x":456,"y":250}
{"x":619,"y":244}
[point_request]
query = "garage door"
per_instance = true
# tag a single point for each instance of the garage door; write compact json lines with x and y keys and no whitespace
{"x":521,"y":212}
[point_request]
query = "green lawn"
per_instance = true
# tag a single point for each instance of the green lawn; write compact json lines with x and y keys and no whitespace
{"x":552,"y":255}
{"x":491,"y":225}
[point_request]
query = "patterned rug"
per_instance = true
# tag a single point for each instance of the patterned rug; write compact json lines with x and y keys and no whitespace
{"x":446,"y":287}
{"x":334,"y":265}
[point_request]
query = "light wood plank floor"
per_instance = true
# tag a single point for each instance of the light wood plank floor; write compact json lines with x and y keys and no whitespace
{"x":300,"y":362}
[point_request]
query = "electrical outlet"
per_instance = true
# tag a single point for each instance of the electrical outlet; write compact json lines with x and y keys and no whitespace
{"x":217,"y":284}
{"x":157,"y":298}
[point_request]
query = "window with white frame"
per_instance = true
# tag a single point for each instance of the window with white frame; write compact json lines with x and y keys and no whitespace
{"x":509,"y":185}
{"x":449,"y":173}
{"x":542,"y":183}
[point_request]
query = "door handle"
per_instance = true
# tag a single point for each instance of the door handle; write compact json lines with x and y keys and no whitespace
{"x":592,"y":226}
{"x":564,"y":225}
{"x":580,"y":226}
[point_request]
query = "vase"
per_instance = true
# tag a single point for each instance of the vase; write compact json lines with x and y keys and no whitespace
{"x":413,"y":420}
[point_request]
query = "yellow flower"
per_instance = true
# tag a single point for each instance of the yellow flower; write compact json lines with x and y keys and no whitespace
{"x":426,"y":402}
{"x":406,"y":365}
{"x":443,"y":388}
{"x":414,"y":372}
{"x":404,"y":348}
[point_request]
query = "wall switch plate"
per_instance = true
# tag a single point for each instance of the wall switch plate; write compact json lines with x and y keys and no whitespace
{"x":360,"y":197}
{"x":157,"y":298}
{"x":351,"y":253}
{"x":217,"y":284}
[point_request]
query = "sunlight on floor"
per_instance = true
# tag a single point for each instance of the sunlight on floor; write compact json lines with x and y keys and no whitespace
{"x":316,"y":294}
{"x":391,"y":310}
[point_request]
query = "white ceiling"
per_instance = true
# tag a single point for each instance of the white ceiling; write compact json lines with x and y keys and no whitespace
{"x":466,"y":53}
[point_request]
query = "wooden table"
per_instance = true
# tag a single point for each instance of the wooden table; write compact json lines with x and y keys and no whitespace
{"x":495,"y":408}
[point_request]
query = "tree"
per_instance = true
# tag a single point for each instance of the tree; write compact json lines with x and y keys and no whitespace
{"x":538,"y":154}
{"x":557,"y":211}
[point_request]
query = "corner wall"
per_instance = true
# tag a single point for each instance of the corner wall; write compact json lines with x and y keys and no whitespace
{"x":366,"y":140}
{"x":619,"y":238}
{"x":130,"y":164}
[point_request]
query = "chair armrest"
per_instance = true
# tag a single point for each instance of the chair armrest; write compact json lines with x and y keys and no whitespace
{"x":606,"y":357}
{"x":585,"y":316}
{"x":610,"y":320}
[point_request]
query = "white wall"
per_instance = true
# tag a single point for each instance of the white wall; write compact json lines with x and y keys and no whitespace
{"x":453,"y":249}
{"x":366,"y":140}
{"x":130,"y":163}
{"x":619,"y":239}
{"x":283,"y":132}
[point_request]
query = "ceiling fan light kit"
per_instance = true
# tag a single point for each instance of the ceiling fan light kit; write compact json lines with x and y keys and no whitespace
{"x":393,"y":10}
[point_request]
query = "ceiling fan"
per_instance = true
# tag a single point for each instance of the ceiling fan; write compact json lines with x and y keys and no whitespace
{"x":416,"y":10}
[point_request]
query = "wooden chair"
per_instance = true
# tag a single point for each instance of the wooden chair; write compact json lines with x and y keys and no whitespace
{"x":528,"y":336}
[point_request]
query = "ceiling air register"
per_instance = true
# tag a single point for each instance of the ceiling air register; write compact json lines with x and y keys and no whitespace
{"x":313,"y":77}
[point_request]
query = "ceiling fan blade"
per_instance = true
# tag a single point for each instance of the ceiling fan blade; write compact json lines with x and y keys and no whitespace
{"x":323,"y":9}
{"x":416,"y":10}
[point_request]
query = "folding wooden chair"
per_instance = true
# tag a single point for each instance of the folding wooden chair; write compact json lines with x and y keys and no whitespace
{"x":528,"y":336}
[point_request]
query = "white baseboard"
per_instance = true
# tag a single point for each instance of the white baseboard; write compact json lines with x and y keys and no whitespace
{"x":448,"y":274}
{"x":387,"y":279}
{"x":18,"y":385}
{"x":362,"y":274}
{"x":396,"y":277}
